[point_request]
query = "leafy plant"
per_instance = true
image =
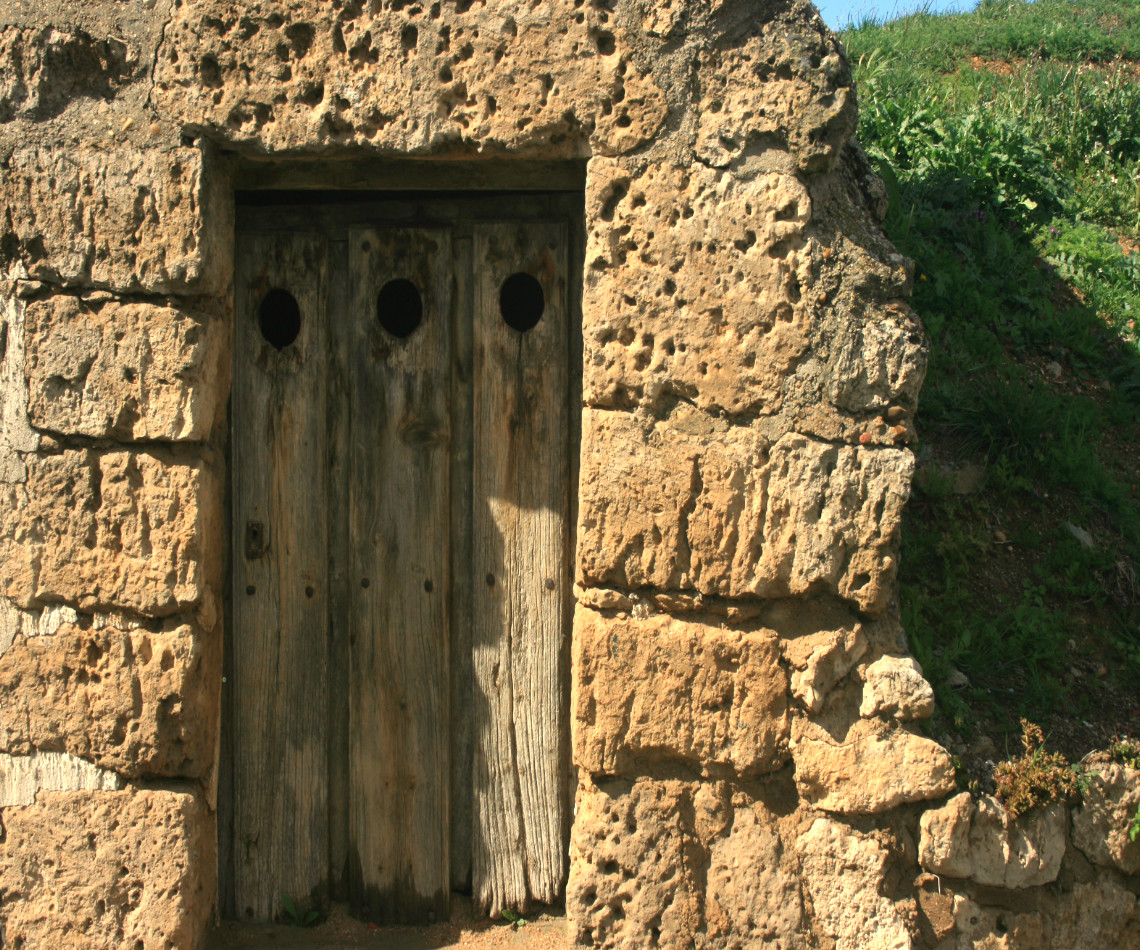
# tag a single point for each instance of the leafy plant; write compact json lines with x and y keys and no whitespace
{"x":297,"y":917}
{"x":515,"y":920}
{"x":1037,"y":778}
{"x":1134,"y":828}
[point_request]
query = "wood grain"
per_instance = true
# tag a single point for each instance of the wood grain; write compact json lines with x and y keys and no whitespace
{"x":279,"y":647}
{"x":520,"y":554}
{"x":399,"y":579}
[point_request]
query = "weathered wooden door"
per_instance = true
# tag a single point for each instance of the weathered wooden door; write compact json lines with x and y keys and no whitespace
{"x":401,"y":471}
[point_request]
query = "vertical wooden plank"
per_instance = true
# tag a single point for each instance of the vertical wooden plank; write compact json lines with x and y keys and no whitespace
{"x":400,"y":481}
{"x":279,"y":643}
{"x":461,"y":724}
{"x":521,"y":567}
{"x":339,"y":466}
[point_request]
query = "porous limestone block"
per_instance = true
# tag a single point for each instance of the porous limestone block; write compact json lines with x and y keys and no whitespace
{"x":662,"y":689}
{"x":131,"y":372}
{"x":102,"y":530}
{"x":694,"y":286}
{"x":691,"y":502}
{"x":671,"y":863}
{"x":633,"y":857}
{"x":43,"y":69}
{"x":137,"y":702}
{"x":756,"y":99}
{"x":127,"y":220}
{"x":873,"y":768}
{"x":894,"y":686}
{"x":1102,"y":820}
{"x":978,"y":840}
{"x":754,"y":897}
{"x":406,"y":78}
{"x":844,"y":872}
{"x":104,"y":870}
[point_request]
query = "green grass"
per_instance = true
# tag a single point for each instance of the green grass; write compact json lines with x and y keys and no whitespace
{"x":1013,"y":183}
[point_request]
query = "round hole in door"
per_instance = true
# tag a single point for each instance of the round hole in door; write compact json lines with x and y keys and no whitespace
{"x":521,"y":301}
{"x":279,"y":318}
{"x":399,"y":307}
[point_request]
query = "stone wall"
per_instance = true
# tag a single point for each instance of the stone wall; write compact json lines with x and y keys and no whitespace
{"x":743,"y":709}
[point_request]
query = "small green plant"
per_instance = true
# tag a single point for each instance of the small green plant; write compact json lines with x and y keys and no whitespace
{"x":515,"y":920}
{"x":1126,"y":752}
{"x":1036,"y":779}
{"x":296,"y":917}
{"x":1134,"y":828}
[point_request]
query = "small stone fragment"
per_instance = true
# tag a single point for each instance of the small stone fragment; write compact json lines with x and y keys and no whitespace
{"x":894,"y":686}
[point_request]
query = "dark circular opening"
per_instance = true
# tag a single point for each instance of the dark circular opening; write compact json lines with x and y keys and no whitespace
{"x":400,"y":307}
{"x":279,"y":318}
{"x":521,"y":301}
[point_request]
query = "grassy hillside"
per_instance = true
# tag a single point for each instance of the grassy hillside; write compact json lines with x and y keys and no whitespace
{"x":1009,"y":139}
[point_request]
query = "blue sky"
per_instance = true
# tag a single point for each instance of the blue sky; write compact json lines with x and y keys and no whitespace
{"x":838,"y":13}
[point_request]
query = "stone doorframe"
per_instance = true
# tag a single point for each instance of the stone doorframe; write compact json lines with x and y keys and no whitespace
{"x":749,"y":373}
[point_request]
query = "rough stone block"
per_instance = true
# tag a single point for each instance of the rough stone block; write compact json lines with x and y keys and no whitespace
{"x":137,"y":531}
{"x":137,"y":702}
{"x":132,"y":372}
{"x":978,"y":840}
{"x":873,"y":769}
{"x":44,"y":69}
{"x":402,"y":78}
{"x":844,"y":872}
{"x":821,"y":659}
{"x":753,"y":897}
{"x":1101,"y":822}
{"x":633,"y":860}
{"x":662,"y":689}
{"x":126,"y":220}
{"x":693,"y":289}
{"x":104,"y":870}
{"x":23,"y":777}
{"x":756,"y":98}
{"x":17,"y":437}
{"x":894,"y":686}
{"x":693,"y":503}
{"x":877,"y":359}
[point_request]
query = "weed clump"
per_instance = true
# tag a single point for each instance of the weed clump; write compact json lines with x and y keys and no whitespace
{"x":1036,"y":779}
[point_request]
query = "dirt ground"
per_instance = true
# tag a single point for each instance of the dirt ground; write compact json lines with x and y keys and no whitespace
{"x":467,"y":929}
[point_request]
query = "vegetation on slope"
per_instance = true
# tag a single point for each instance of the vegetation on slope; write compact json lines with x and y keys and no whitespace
{"x":1009,"y":139}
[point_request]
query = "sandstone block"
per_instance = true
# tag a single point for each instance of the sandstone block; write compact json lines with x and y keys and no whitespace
{"x":693,"y":287}
{"x":662,"y":689}
{"x":875,"y":768}
{"x":138,"y":531}
{"x":126,"y":220}
{"x":633,"y":857}
{"x":131,"y":372}
{"x":104,"y":870}
{"x":844,"y":871}
{"x":894,"y":686}
{"x":1101,"y":821}
{"x":137,"y":702}
{"x":693,"y":503}
{"x":977,"y":840}
{"x":403,"y":78}
{"x":1097,"y":913}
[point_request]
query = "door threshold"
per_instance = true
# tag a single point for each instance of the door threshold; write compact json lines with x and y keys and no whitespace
{"x":545,"y":929}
